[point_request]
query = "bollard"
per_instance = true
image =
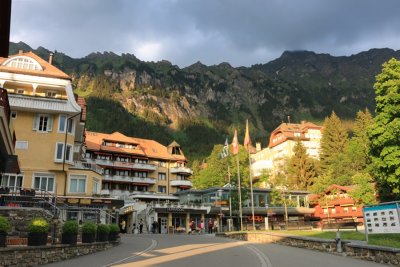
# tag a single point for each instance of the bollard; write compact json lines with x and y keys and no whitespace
{"x":338,"y":243}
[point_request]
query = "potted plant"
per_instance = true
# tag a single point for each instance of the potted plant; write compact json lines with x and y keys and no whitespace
{"x":102,"y":232}
{"x":69,"y":232}
{"x":38,"y":229}
{"x":5,"y":226}
{"x":89,"y":232}
{"x":114,"y":232}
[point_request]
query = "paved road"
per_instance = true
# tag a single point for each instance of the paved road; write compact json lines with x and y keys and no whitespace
{"x":206,"y":251}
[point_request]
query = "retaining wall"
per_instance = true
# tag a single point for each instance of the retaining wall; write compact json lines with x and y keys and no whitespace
{"x":355,"y":250}
{"x":24,"y":256}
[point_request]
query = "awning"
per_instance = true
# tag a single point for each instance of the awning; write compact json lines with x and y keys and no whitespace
{"x":10,"y":164}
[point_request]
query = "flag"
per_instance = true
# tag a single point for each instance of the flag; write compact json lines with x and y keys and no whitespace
{"x":235,"y":144}
{"x":247,"y":140}
{"x":225,"y":150}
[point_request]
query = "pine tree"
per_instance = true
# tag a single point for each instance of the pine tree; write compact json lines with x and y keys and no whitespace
{"x":334,"y":142}
{"x":300,"y":169}
{"x":384,"y":133}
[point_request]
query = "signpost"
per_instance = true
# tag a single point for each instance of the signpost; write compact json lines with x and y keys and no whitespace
{"x":382,"y":218}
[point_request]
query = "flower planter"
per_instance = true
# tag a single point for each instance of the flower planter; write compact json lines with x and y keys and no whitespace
{"x":3,"y":239}
{"x":88,"y":238}
{"x":37,"y":239}
{"x":69,"y":239}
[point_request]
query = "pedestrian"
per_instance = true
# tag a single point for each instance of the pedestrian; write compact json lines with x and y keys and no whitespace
{"x":192,"y":226}
{"x":201,"y":227}
{"x":141,"y":226}
{"x":123,"y":225}
{"x":215,"y":226}
{"x":210,"y":226}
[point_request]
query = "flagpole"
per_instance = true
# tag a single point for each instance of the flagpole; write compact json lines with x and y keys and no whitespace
{"x":230,"y":191}
{"x":251,"y":190}
{"x":239,"y":193}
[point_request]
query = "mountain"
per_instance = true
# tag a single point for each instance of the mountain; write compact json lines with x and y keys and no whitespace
{"x":199,"y":105}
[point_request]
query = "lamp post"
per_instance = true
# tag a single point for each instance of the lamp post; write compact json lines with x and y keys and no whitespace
{"x":220,"y":209}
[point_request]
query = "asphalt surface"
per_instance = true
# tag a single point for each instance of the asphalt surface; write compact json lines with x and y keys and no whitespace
{"x":206,"y":251}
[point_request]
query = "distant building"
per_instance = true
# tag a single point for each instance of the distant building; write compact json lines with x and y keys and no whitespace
{"x":135,"y":165}
{"x":337,"y":206}
{"x":49,"y":125}
{"x":281,"y":143}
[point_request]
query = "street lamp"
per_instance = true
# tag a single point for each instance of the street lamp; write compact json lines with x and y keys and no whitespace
{"x":220,"y":208}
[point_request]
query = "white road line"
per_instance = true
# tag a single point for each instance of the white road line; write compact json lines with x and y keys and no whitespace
{"x":264,"y":260}
{"x":150,"y":248}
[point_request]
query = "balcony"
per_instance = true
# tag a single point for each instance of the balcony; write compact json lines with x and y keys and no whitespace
{"x":181,"y":170}
{"x":183,"y":183}
{"x":144,"y":166}
{"x":122,"y":164}
{"x":128,"y":179}
{"x":87,"y":166}
{"x":104,"y":162}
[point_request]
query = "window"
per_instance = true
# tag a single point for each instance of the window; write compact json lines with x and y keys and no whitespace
{"x":12,"y":181}
{"x":43,"y":123}
{"x":162,"y":176}
{"x":140,"y":174}
{"x":21,"y":145}
{"x":77,"y":184}
{"x":60,"y":152}
{"x":96,"y":186}
{"x":163,"y":164}
{"x":44,"y":182}
{"x":13,"y":114}
{"x":162,"y":189}
{"x":345,"y":209}
{"x":51,"y":94}
{"x":64,"y":122}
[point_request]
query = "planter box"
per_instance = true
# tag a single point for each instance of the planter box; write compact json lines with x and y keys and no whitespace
{"x":69,"y":239}
{"x":88,"y":238}
{"x":3,"y":239}
{"x":37,"y":239}
{"x":113,"y":236}
{"x":102,"y":237}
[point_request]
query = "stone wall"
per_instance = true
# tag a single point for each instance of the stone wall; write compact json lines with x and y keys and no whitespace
{"x":38,"y":256}
{"x":355,"y":250}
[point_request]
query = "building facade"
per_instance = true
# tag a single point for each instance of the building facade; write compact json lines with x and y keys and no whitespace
{"x":281,"y":143}
{"x":135,"y":165}
{"x":49,"y":125}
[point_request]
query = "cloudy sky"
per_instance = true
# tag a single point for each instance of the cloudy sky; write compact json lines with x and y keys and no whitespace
{"x":241,"y":32}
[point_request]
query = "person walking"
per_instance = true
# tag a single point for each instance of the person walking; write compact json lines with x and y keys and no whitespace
{"x":141,"y":226}
{"x":202,"y":227}
{"x":210,"y":226}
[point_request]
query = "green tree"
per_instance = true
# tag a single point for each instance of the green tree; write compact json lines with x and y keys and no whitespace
{"x":334,"y":143}
{"x":384,"y":133}
{"x":363,"y":191}
{"x":357,"y":151}
{"x":300,"y":169}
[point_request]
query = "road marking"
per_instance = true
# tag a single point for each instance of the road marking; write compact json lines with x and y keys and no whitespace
{"x":150,"y":248}
{"x":264,"y":260}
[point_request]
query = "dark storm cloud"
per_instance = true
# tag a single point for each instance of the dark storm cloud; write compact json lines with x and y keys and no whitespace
{"x":211,"y":31}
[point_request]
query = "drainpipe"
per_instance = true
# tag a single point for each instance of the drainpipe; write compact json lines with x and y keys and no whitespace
{"x":65,"y":152}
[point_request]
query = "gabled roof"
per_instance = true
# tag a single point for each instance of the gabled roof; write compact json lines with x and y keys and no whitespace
{"x":145,"y":147}
{"x":48,"y":70}
{"x":288,"y":130}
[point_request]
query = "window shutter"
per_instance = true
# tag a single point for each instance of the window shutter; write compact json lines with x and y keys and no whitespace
{"x":50,"y":123}
{"x":35,"y":123}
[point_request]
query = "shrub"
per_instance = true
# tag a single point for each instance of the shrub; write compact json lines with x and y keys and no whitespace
{"x":5,"y":225}
{"x":70,"y":227}
{"x":38,"y":225}
{"x":114,"y":228}
{"x":89,"y":228}
{"x":103,"y":228}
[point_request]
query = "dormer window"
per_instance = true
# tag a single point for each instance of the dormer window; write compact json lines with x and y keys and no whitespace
{"x":23,"y":62}
{"x":20,"y":91}
{"x":51,"y":94}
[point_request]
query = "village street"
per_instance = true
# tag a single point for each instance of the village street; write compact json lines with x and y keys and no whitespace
{"x":207,"y":251}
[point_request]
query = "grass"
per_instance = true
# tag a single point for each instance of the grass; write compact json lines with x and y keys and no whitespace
{"x":386,"y":240}
{"x":349,"y":235}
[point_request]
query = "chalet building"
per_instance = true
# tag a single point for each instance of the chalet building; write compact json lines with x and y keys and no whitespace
{"x":336,"y":207}
{"x":8,"y":160}
{"x":135,"y":166}
{"x":281,"y":144}
{"x":49,"y":125}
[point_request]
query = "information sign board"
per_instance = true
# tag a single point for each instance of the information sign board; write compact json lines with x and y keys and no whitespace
{"x":382,"y":218}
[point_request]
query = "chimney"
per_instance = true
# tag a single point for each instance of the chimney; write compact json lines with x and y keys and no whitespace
{"x":288,"y":118}
{"x":258,"y":146}
{"x":51,"y":58}
{"x":20,"y":51}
